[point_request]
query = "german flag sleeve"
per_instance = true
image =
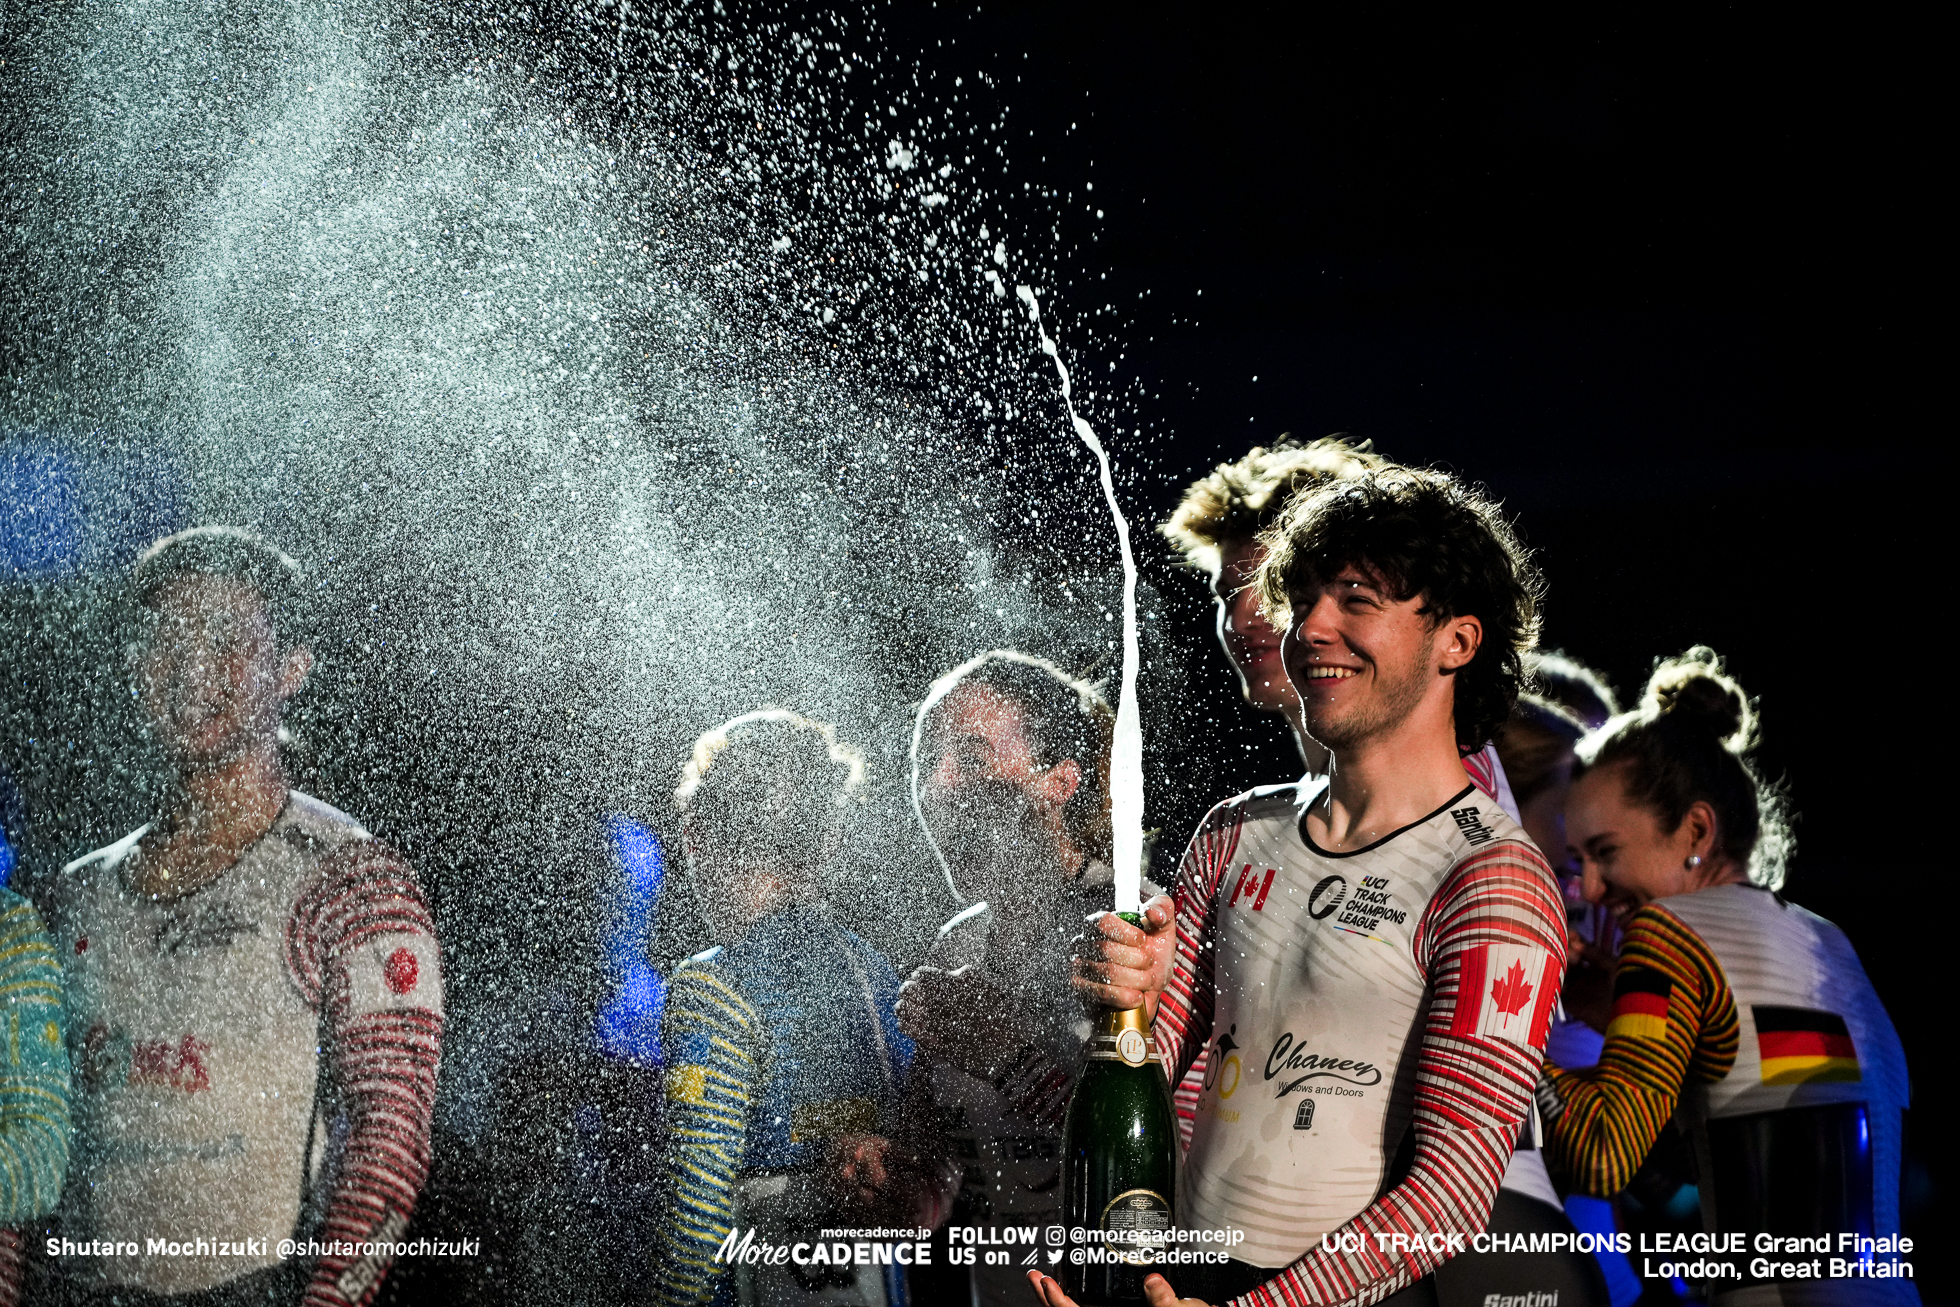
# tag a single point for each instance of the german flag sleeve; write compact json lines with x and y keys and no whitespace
{"x":1673,"y":1017}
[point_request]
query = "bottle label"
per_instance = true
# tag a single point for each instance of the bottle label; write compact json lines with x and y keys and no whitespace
{"x":1141,"y":1217}
{"x":1132,"y":1047}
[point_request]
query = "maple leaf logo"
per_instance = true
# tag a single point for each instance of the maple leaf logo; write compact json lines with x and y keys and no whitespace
{"x":1511,"y":991}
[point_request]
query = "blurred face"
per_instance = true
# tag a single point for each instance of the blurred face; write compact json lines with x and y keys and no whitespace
{"x":1362,"y":661}
{"x":731,"y":897}
{"x":1627,"y":859}
{"x":1249,"y":640}
{"x":209,"y":673}
{"x":1543,"y":818}
{"x":994,"y":811}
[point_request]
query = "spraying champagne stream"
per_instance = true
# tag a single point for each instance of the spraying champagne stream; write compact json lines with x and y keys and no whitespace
{"x":1118,"y":1141}
{"x":1126,"y":752}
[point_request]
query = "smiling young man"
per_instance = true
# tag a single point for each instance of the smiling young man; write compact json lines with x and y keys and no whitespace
{"x":1370,"y":962}
{"x":1217,"y":527}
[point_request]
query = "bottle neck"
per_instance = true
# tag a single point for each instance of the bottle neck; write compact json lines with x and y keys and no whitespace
{"x":1122,"y":1036}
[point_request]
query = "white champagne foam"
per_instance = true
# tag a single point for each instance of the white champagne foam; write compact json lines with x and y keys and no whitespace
{"x":1126,"y":755}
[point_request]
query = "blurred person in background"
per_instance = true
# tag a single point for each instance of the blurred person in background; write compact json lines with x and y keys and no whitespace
{"x":253,"y":991}
{"x":34,"y":1087}
{"x":1010,"y":783}
{"x":1563,"y":684}
{"x":1215,"y":528}
{"x":1583,"y":692}
{"x":1536,"y":744}
{"x":785,"y":1064}
{"x":1738,"y":1018}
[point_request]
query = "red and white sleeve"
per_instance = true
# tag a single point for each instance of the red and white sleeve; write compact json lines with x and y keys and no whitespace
{"x":1183,"y":1022}
{"x":1040,"y":1089}
{"x":1487,"y":773}
{"x":1492,"y":946}
{"x":361,"y":945}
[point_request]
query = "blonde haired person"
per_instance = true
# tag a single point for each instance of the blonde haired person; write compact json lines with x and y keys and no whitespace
{"x":1215,"y":529}
{"x":785,"y":1065}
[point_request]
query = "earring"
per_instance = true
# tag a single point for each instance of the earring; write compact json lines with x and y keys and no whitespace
{"x":1694,"y":861}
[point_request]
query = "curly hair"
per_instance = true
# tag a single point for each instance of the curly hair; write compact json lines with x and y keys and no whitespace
{"x":1424,"y":534}
{"x":1238,"y":500}
{"x":1690,"y":742}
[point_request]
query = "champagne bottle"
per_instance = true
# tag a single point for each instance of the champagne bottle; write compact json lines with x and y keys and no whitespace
{"x":1119,"y":1162}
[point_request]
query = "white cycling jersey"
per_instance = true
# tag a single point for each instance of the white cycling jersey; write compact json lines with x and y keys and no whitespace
{"x":1329,"y":970}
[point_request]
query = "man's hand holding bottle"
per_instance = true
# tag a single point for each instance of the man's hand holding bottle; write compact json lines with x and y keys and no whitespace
{"x":1122,"y":966}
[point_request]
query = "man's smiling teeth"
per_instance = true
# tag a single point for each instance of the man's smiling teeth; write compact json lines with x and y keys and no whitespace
{"x":1329,"y":673}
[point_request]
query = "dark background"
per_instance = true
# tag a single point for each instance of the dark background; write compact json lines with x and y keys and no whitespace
{"x":1656,"y":281}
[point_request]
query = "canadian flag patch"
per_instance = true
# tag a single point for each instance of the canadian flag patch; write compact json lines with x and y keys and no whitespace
{"x":1502,"y":993}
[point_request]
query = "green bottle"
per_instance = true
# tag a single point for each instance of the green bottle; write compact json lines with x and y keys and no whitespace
{"x":1119,"y":1162}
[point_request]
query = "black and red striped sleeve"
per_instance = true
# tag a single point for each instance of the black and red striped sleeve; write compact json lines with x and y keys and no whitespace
{"x":1182,"y":1025}
{"x":1674,"y":1020}
{"x":361,"y":946}
{"x":1497,"y":922}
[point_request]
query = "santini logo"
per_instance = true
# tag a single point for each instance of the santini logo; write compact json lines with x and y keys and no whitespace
{"x":1472,"y":826}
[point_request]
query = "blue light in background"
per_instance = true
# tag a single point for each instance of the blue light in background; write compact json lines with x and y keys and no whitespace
{"x":1595,"y":1216}
{"x":81,"y":504}
{"x":41,"y":527}
{"x":628,"y":1024}
{"x":13,"y":825}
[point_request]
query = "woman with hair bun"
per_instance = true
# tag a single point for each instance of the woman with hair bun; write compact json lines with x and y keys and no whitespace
{"x":1740,"y":1017}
